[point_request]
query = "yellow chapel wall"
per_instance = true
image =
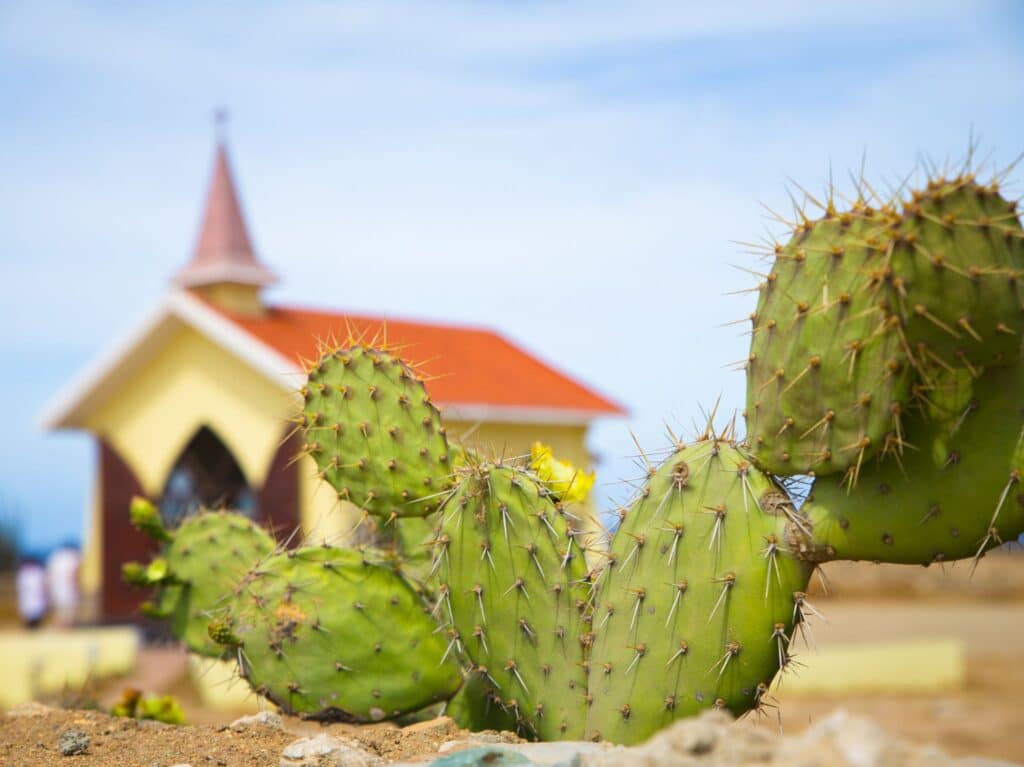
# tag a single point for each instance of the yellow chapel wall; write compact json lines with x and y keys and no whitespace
{"x":191,"y":383}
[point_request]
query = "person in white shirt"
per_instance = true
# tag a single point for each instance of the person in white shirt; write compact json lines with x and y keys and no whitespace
{"x":62,"y":579}
{"x":31,"y":588}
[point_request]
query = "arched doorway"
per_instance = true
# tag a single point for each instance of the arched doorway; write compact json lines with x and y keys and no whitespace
{"x":212,"y":477}
{"x":206,"y":475}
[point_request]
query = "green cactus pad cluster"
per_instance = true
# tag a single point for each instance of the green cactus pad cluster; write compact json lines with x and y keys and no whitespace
{"x":202,"y":561}
{"x":858,"y":306}
{"x":885,"y":361}
{"x":512,"y":586}
{"x":697,"y":603}
{"x":374,"y":433}
{"x":327,"y":634}
{"x":955,"y":495}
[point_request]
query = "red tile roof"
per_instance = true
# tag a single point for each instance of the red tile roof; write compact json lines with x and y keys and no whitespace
{"x":469,"y":365}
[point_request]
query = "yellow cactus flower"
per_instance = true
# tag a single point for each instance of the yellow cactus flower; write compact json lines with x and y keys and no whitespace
{"x":571,"y":484}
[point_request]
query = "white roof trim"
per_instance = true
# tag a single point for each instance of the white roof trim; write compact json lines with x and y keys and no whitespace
{"x":61,"y":407}
{"x":189,"y":310}
{"x":220,"y":329}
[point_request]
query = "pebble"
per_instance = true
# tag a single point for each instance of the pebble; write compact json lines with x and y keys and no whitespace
{"x":323,"y":750}
{"x":73,"y":742}
{"x":267,"y":719}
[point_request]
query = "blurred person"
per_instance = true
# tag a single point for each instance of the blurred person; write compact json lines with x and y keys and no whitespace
{"x":31,"y":588}
{"x":62,"y":582}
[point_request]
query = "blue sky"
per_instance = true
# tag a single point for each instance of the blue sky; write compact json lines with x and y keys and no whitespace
{"x":571,"y":173}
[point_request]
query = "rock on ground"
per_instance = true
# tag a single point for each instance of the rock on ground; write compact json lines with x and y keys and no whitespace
{"x":710,"y":740}
{"x":328,"y":751}
{"x":73,"y":742}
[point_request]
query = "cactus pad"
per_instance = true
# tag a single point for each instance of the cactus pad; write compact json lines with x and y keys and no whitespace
{"x":511,"y":577}
{"x":698,"y":600}
{"x":827,"y":374}
{"x":957,"y":275}
{"x":203,"y":560}
{"x":327,"y":634}
{"x":955,"y":495}
{"x":374,"y":433}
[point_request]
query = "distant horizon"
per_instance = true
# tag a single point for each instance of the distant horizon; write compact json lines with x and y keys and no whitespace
{"x":575,"y":176}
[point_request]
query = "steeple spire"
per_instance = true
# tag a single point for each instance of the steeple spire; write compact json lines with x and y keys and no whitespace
{"x":223,"y":253}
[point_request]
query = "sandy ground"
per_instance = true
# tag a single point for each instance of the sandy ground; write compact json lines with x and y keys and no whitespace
{"x":984,"y":718}
{"x":32,"y":740}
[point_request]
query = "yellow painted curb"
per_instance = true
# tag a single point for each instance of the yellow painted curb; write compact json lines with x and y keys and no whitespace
{"x":220,"y":687}
{"x":51,"y":660}
{"x":899,"y":666}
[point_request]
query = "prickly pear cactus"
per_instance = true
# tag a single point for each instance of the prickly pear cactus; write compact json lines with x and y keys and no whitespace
{"x":327,"y":634}
{"x":512,"y":588}
{"x":374,"y":433}
{"x":957,"y":494}
{"x":203,"y":560}
{"x":827,"y":374}
{"x":698,"y":601}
